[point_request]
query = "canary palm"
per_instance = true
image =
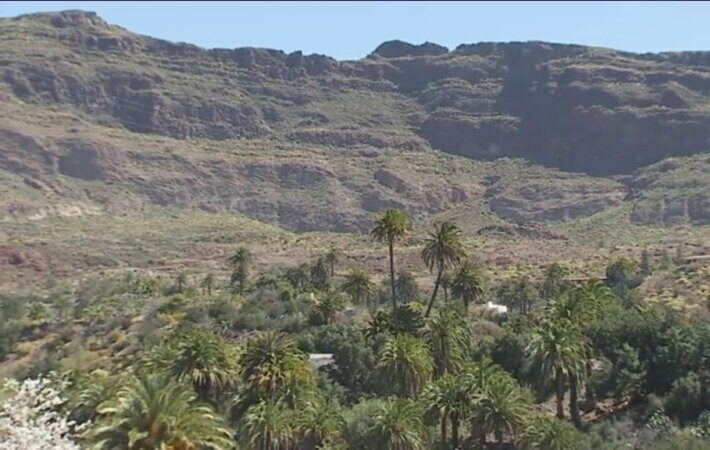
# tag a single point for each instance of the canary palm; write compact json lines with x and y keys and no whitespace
{"x":442,"y":250}
{"x":398,"y":425}
{"x":332,"y":258}
{"x":405,"y":364}
{"x":391,"y":225}
{"x":273,"y":367}
{"x":269,"y":425}
{"x":240,"y":262}
{"x":449,"y":398}
{"x":468,"y":283}
{"x":554,"y":281}
{"x":327,"y":307}
{"x":449,"y":339}
{"x":549,"y":433}
{"x":499,"y":408}
{"x":558,"y":353}
{"x":320,"y":423}
{"x":200,"y":358}
{"x":207,"y":283}
{"x":359,"y":286}
{"x":155,"y":411}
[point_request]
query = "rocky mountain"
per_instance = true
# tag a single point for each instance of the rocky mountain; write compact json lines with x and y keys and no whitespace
{"x":96,"y":119}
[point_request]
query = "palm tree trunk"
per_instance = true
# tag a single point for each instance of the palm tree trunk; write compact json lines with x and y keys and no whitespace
{"x":454,"y":431}
{"x":574,"y":402}
{"x":394,"y":298}
{"x":444,"y":419}
{"x":436,"y":289}
{"x":332,"y":269}
{"x":560,"y":396}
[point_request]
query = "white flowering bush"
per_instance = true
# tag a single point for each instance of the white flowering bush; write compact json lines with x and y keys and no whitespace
{"x":29,"y":417}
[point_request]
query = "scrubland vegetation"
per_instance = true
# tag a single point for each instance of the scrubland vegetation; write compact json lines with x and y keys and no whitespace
{"x":133,"y":360}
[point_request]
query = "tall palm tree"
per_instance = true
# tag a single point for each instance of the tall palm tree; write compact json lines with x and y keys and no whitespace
{"x":449,"y":398}
{"x":405,"y":364}
{"x":272,"y":366}
{"x":155,"y":411}
{"x":391,"y":225}
{"x":332,"y":258}
{"x":358,"y":284}
{"x":269,"y":425}
{"x":549,"y":433}
{"x":580,"y":307}
{"x":442,"y":250}
{"x":240,"y":262}
{"x":202,"y":359}
{"x":558,"y":352}
{"x":398,"y":425}
{"x":468,"y":283}
{"x":449,"y":339}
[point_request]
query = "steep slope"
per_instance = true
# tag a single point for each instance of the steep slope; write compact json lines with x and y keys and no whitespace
{"x":583,"y":109}
{"x":529,"y":141}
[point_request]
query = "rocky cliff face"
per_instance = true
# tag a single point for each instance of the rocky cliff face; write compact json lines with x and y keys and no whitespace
{"x":588,"y":110}
{"x":578,"y":108}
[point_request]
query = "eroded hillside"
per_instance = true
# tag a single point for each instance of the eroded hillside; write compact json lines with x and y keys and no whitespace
{"x":97,"y":121}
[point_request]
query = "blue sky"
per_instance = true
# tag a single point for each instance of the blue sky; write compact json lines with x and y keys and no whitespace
{"x":349,"y":30}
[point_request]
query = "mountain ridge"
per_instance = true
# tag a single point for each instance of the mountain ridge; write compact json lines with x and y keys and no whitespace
{"x":312,"y":143}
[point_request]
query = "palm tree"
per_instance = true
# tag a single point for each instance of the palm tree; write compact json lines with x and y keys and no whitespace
{"x":580,"y":307}
{"x":298,"y":276}
{"x":499,"y":408}
{"x":554,"y":282}
{"x":358,"y":284}
{"x":202,"y":359}
{"x":449,"y":398}
{"x":155,"y":411}
{"x":449,"y":339}
{"x":405,"y":364}
{"x":398,"y":425}
{"x":269,"y":425}
{"x":558,"y":353}
{"x":549,"y":433}
{"x":319,"y":274}
{"x":181,"y":282}
{"x":64,"y":305}
{"x":272,"y":366}
{"x":332,"y":258}
{"x":240,"y":262}
{"x":326,"y":308}
{"x":207,"y":284}
{"x":320,"y":423}
{"x":468,"y":283}
{"x":391,"y":225}
{"x":406,"y":287}
{"x":442,"y":250}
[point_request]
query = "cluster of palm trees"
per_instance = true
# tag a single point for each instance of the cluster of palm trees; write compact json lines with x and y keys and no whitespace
{"x":435,"y":370}
{"x":443,"y":250}
{"x":196,"y":390}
